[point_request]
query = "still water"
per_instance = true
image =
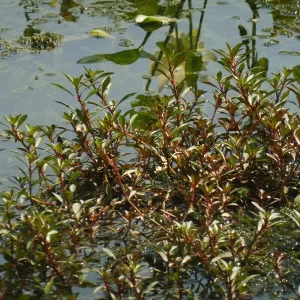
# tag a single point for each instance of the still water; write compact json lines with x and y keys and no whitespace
{"x":270,"y":28}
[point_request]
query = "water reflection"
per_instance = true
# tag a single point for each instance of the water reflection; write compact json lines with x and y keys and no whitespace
{"x":65,"y":6}
{"x":65,"y":12}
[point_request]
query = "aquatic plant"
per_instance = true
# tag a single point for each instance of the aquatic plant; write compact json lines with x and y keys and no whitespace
{"x":162,"y":201}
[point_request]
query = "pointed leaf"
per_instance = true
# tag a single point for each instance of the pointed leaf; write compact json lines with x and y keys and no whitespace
{"x":63,"y":88}
{"x":49,"y":285}
{"x":109,"y":253}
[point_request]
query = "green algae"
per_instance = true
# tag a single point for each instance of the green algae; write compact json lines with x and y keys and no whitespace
{"x":7,"y":48}
{"x":46,"y":41}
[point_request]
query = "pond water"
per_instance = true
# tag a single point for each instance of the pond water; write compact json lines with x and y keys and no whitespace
{"x":270,"y":28}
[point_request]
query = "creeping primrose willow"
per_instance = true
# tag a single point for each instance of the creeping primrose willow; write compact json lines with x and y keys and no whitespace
{"x":160,"y":201}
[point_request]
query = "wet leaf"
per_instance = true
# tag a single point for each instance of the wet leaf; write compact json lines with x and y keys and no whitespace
{"x":142,"y":19}
{"x":58,"y":197}
{"x":109,"y":253}
{"x":77,"y":209}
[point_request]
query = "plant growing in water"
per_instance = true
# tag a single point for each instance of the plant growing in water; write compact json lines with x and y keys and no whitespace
{"x":161,"y":201}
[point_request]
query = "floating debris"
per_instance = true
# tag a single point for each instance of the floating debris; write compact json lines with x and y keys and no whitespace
{"x":294,"y":53}
{"x":268,"y":29}
{"x":263,"y":36}
{"x":271,"y":43}
{"x":126,"y":43}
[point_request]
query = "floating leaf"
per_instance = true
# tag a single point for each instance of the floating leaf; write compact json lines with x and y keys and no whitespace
{"x":142,"y":19}
{"x":125,"y":57}
{"x":271,"y":43}
{"x":99,"y":33}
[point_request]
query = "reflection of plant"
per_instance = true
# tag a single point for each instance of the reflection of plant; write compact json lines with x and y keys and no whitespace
{"x":192,"y":61}
{"x":160,"y":201}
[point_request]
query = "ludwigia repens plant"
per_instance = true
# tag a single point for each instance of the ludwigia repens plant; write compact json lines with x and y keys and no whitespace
{"x":162,"y":200}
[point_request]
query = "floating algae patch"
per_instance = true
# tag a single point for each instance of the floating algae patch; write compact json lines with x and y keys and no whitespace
{"x":7,"y":48}
{"x":46,"y":41}
{"x":4,"y":29}
{"x":293,"y":53}
{"x":271,"y":43}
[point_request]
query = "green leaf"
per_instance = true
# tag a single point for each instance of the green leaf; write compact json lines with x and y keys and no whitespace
{"x":109,"y":253}
{"x":21,"y":120}
{"x":49,"y":234}
{"x":63,"y":88}
{"x":163,"y":255}
{"x":296,"y":73}
{"x":58,"y":197}
{"x":49,"y":285}
{"x":222,"y":255}
{"x":262,"y":65}
{"x":125,"y":57}
{"x":74,"y":176}
{"x":98,"y":58}
{"x":132,"y":119}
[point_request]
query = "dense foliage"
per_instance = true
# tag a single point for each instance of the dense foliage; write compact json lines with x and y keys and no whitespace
{"x":179,"y":197}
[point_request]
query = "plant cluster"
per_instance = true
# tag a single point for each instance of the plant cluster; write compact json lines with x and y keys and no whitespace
{"x":163,"y":200}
